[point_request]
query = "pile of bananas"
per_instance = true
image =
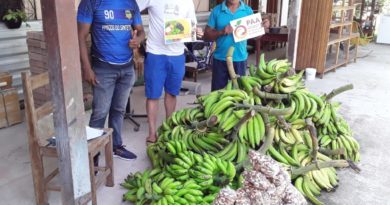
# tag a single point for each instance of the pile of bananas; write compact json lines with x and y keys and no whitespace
{"x":205,"y":148}
{"x":186,"y":178}
{"x":153,"y":188}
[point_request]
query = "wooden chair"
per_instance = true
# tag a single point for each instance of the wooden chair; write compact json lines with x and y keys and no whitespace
{"x":41,"y":129}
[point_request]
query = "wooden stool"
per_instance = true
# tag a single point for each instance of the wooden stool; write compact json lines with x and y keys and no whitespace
{"x":40,"y":129}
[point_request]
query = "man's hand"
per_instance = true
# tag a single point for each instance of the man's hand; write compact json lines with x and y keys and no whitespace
{"x":227,"y":30}
{"x":90,"y":76}
{"x":135,"y":41}
{"x":199,"y":33}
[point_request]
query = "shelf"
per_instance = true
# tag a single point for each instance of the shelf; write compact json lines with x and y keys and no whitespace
{"x":334,"y":38}
{"x":343,"y":8}
{"x":330,"y":62}
{"x":334,"y":25}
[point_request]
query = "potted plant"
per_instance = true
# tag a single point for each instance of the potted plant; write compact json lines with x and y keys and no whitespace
{"x":13,"y":18}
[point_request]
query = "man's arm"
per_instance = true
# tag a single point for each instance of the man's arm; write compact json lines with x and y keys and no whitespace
{"x":138,"y":34}
{"x":138,"y":37}
{"x":211,"y":34}
{"x":83,"y":32}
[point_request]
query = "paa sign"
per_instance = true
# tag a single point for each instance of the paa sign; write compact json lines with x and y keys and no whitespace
{"x":247,"y":27}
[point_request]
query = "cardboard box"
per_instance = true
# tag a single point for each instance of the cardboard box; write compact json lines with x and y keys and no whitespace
{"x":5,"y":81}
{"x":3,"y":114}
{"x":9,"y":107}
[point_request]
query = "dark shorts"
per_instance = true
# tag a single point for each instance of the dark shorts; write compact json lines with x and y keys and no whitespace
{"x":163,"y":72}
{"x":220,"y":74}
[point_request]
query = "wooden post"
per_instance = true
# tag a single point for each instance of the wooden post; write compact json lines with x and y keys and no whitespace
{"x":362,"y":7}
{"x":59,"y":23}
{"x":293,"y":23}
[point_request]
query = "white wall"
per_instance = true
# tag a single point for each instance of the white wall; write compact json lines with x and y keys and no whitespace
{"x":200,"y":6}
{"x":284,"y":13}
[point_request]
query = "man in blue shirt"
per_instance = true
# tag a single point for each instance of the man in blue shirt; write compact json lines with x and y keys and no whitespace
{"x":111,"y":70}
{"x":218,"y":29}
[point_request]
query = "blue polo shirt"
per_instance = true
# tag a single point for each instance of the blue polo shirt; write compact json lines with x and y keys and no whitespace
{"x":219,"y":18}
{"x":111,"y":24}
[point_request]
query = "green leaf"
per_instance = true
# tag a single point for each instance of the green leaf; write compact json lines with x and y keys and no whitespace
{"x":238,"y":22}
{"x":16,"y":15}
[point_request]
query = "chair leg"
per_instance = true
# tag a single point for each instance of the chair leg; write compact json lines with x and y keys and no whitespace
{"x":92,"y":176}
{"x":195,"y":76}
{"x":109,"y":162}
{"x":38,"y":177}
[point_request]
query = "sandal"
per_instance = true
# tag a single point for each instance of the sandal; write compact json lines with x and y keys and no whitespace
{"x":149,"y":141}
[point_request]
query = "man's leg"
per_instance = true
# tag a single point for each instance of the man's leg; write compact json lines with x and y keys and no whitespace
{"x":240,"y":67}
{"x":122,"y":90}
{"x":102,"y":93}
{"x":152,"y":111}
{"x":155,"y":73}
{"x":120,"y":97}
{"x":173,"y":82}
{"x":170,"y":104}
{"x":220,"y":75}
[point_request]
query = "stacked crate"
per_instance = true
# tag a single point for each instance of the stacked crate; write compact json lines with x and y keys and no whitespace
{"x":9,"y":102}
{"x":38,"y":63}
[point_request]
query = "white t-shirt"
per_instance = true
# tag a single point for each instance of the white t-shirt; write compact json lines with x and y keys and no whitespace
{"x":159,"y":10}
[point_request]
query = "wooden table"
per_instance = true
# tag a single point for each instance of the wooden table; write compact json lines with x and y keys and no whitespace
{"x":269,"y":37}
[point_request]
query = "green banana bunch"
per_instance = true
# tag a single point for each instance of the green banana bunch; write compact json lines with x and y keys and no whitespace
{"x":305,"y":105}
{"x":230,"y":119}
{"x":349,"y":145}
{"x":312,"y":183}
{"x":213,"y":173}
{"x":140,"y":185}
{"x":289,"y":84}
{"x":252,"y":131}
{"x":247,"y":83}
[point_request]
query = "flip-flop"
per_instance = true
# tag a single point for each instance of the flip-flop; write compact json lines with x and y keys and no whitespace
{"x":148,"y":141}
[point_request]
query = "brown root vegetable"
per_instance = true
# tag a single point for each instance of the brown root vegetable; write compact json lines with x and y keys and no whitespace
{"x":226,"y":196}
{"x":266,"y":183}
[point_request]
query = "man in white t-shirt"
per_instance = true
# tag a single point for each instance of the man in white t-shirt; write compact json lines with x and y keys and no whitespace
{"x":164,"y":63}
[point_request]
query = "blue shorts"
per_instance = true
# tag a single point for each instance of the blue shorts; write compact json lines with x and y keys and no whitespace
{"x":163,"y":71}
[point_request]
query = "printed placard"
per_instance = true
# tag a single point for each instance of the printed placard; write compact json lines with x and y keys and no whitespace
{"x":247,"y":27}
{"x":179,"y":31}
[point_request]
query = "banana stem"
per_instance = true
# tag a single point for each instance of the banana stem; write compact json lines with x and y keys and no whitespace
{"x":203,"y":125}
{"x":270,"y":133}
{"x":246,"y":117}
{"x":268,"y":88}
{"x":282,"y":123}
{"x":289,"y":73}
{"x":295,"y":172}
{"x":338,"y":91}
{"x":272,"y":96}
{"x":330,"y":152}
{"x":230,"y":66}
{"x":314,"y":139}
{"x":267,"y":110}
